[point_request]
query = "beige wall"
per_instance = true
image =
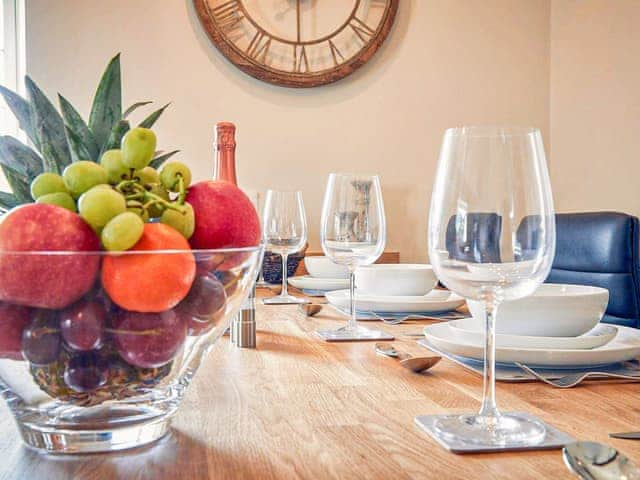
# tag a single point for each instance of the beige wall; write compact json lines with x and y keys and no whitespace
{"x":446,"y":63}
{"x":595,"y":104}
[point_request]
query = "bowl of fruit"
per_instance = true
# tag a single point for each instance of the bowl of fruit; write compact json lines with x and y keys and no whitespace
{"x":115,"y":281}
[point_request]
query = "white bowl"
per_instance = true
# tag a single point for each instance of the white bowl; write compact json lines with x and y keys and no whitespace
{"x":323,"y":267}
{"x":554,"y":310}
{"x":396,"y":279}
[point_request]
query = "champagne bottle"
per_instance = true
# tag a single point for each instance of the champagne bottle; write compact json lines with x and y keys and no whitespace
{"x":224,"y":146}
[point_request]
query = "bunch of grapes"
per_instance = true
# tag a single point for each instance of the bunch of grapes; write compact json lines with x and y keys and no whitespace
{"x":95,"y":351}
{"x":117,"y":196}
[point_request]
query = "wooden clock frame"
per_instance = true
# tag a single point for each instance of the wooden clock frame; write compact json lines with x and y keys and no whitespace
{"x":248,"y":60}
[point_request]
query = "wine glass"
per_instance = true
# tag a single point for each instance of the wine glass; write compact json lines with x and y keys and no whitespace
{"x":285,"y":231}
{"x":491,"y":238}
{"x":353,"y":233}
{"x":261,"y":282}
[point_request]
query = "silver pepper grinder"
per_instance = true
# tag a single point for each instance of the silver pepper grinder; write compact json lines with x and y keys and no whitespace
{"x":243,"y":327}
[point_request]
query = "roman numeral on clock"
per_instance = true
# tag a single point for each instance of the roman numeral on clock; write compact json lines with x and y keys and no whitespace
{"x":228,"y":15}
{"x":361,"y":29}
{"x":300,"y":58}
{"x":259,"y":46}
{"x":335,"y":53}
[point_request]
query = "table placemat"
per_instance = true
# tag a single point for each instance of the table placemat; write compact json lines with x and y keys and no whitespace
{"x":511,"y":373}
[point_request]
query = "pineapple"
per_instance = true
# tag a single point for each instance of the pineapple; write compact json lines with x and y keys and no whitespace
{"x":60,"y":138}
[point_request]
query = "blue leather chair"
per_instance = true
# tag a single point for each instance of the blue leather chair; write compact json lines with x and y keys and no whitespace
{"x":601,"y":249}
{"x":481,"y":247}
{"x":595,"y":248}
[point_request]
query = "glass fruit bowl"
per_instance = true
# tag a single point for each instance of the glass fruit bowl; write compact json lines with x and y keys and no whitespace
{"x":97,"y":349}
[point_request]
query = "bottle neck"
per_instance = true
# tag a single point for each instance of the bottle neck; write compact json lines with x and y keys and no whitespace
{"x":225,"y":167}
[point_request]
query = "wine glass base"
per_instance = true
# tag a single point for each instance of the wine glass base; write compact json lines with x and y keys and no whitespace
{"x":473,"y":433}
{"x":284,"y":300}
{"x":353,"y":335}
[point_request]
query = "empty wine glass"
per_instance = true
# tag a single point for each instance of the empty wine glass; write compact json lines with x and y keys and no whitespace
{"x":261,"y":282}
{"x":491,"y":239}
{"x":353,"y":233}
{"x":284,"y":228}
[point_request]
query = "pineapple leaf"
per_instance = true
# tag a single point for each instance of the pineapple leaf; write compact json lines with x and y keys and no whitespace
{"x":20,"y":108}
{"x":78,"y":148}
{"x":107,"y":103}
{"x":160,"y":159}
{"x":83,"y":141}
{"x":18,"y":183}
{"x":20,"y":158}
{"x":49,"y":130}
{"x":115,"y":138}
{"x":133,"y":107}
{"x":152,"y":118}
{"x":8,"y":201}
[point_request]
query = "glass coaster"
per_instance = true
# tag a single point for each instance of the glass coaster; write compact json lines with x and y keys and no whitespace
{"x":358,"y":334}
{"x":553,"y":438}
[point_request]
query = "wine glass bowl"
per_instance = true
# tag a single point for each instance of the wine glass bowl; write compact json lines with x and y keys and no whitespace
{"x":353,"y":233}
{"x":491,"y":238}
{"x":285,"y":232}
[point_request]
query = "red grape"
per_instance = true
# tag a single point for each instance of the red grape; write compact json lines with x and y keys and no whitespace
{"x":203,"y":305}
{"x":86,"y":371}
{"x":13,"y":320}
{"x":82,"y":325}
{"x":41,"y":338}
{"x":148,"y":340}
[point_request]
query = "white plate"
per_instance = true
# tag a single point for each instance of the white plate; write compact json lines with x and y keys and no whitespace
{"x":469,"y":330}
{"x":624,"y":347}
{"x":434,"y":301}
{"x":307,"y":282}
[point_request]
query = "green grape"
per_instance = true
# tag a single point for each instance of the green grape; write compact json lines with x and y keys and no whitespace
{"x":156,"y":210}
{"x":61,"y":199}
{"x":99,"y":205}
{"x":170,"y":173}
{"x":79,"y":177}
{"x":136,"y":207}
{"x":147,"y":175}
{"x":47,"y":183}
{"x":111,"y":161}
{"x":184,"y":221}
{"x":138,"y":147}
{"x":122,"y":232}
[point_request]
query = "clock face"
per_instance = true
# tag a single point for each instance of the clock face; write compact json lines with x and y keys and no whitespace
{"x":297,"y":43}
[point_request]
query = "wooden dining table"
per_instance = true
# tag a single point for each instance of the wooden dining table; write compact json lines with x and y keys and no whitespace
{"x":298,"y":407}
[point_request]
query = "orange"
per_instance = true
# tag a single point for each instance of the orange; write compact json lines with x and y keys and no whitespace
{"x":150,"y":282}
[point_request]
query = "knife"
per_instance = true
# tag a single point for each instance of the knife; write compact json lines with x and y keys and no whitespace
{"x":626,"y":435}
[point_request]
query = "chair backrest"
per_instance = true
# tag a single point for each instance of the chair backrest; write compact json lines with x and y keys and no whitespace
{"x":479,"y":242}
{"x":601,"y":249}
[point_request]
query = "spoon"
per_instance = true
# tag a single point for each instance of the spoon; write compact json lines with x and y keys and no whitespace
{"x":596,"y":461}
{"x":415,"y":364}
{"x":310,"y":309}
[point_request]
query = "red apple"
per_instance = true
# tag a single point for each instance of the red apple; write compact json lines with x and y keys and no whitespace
{"x":41,"y":280}
{"x":225,"y":217}
{"x":13,"y":319}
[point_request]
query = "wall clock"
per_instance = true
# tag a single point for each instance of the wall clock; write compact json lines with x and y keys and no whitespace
{"x":297,"y":43}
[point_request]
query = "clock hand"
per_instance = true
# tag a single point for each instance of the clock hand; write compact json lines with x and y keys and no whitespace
{"x":298,"y":18}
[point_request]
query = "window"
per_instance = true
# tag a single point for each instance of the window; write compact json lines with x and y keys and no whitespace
{"x":12,"y":60}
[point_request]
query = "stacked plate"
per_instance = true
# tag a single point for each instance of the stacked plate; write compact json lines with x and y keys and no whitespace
{"x":395,"y":290}
{"x":557,"y":327}
{"x":324,"y":276}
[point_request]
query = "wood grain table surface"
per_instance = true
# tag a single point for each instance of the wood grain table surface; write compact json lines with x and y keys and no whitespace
{"x":297,"y":407}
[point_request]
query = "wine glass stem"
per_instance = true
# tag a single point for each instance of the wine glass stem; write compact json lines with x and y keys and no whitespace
{"x":285,"y":289}
{"x":353,"y":322}
{"x":489,"y":408}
